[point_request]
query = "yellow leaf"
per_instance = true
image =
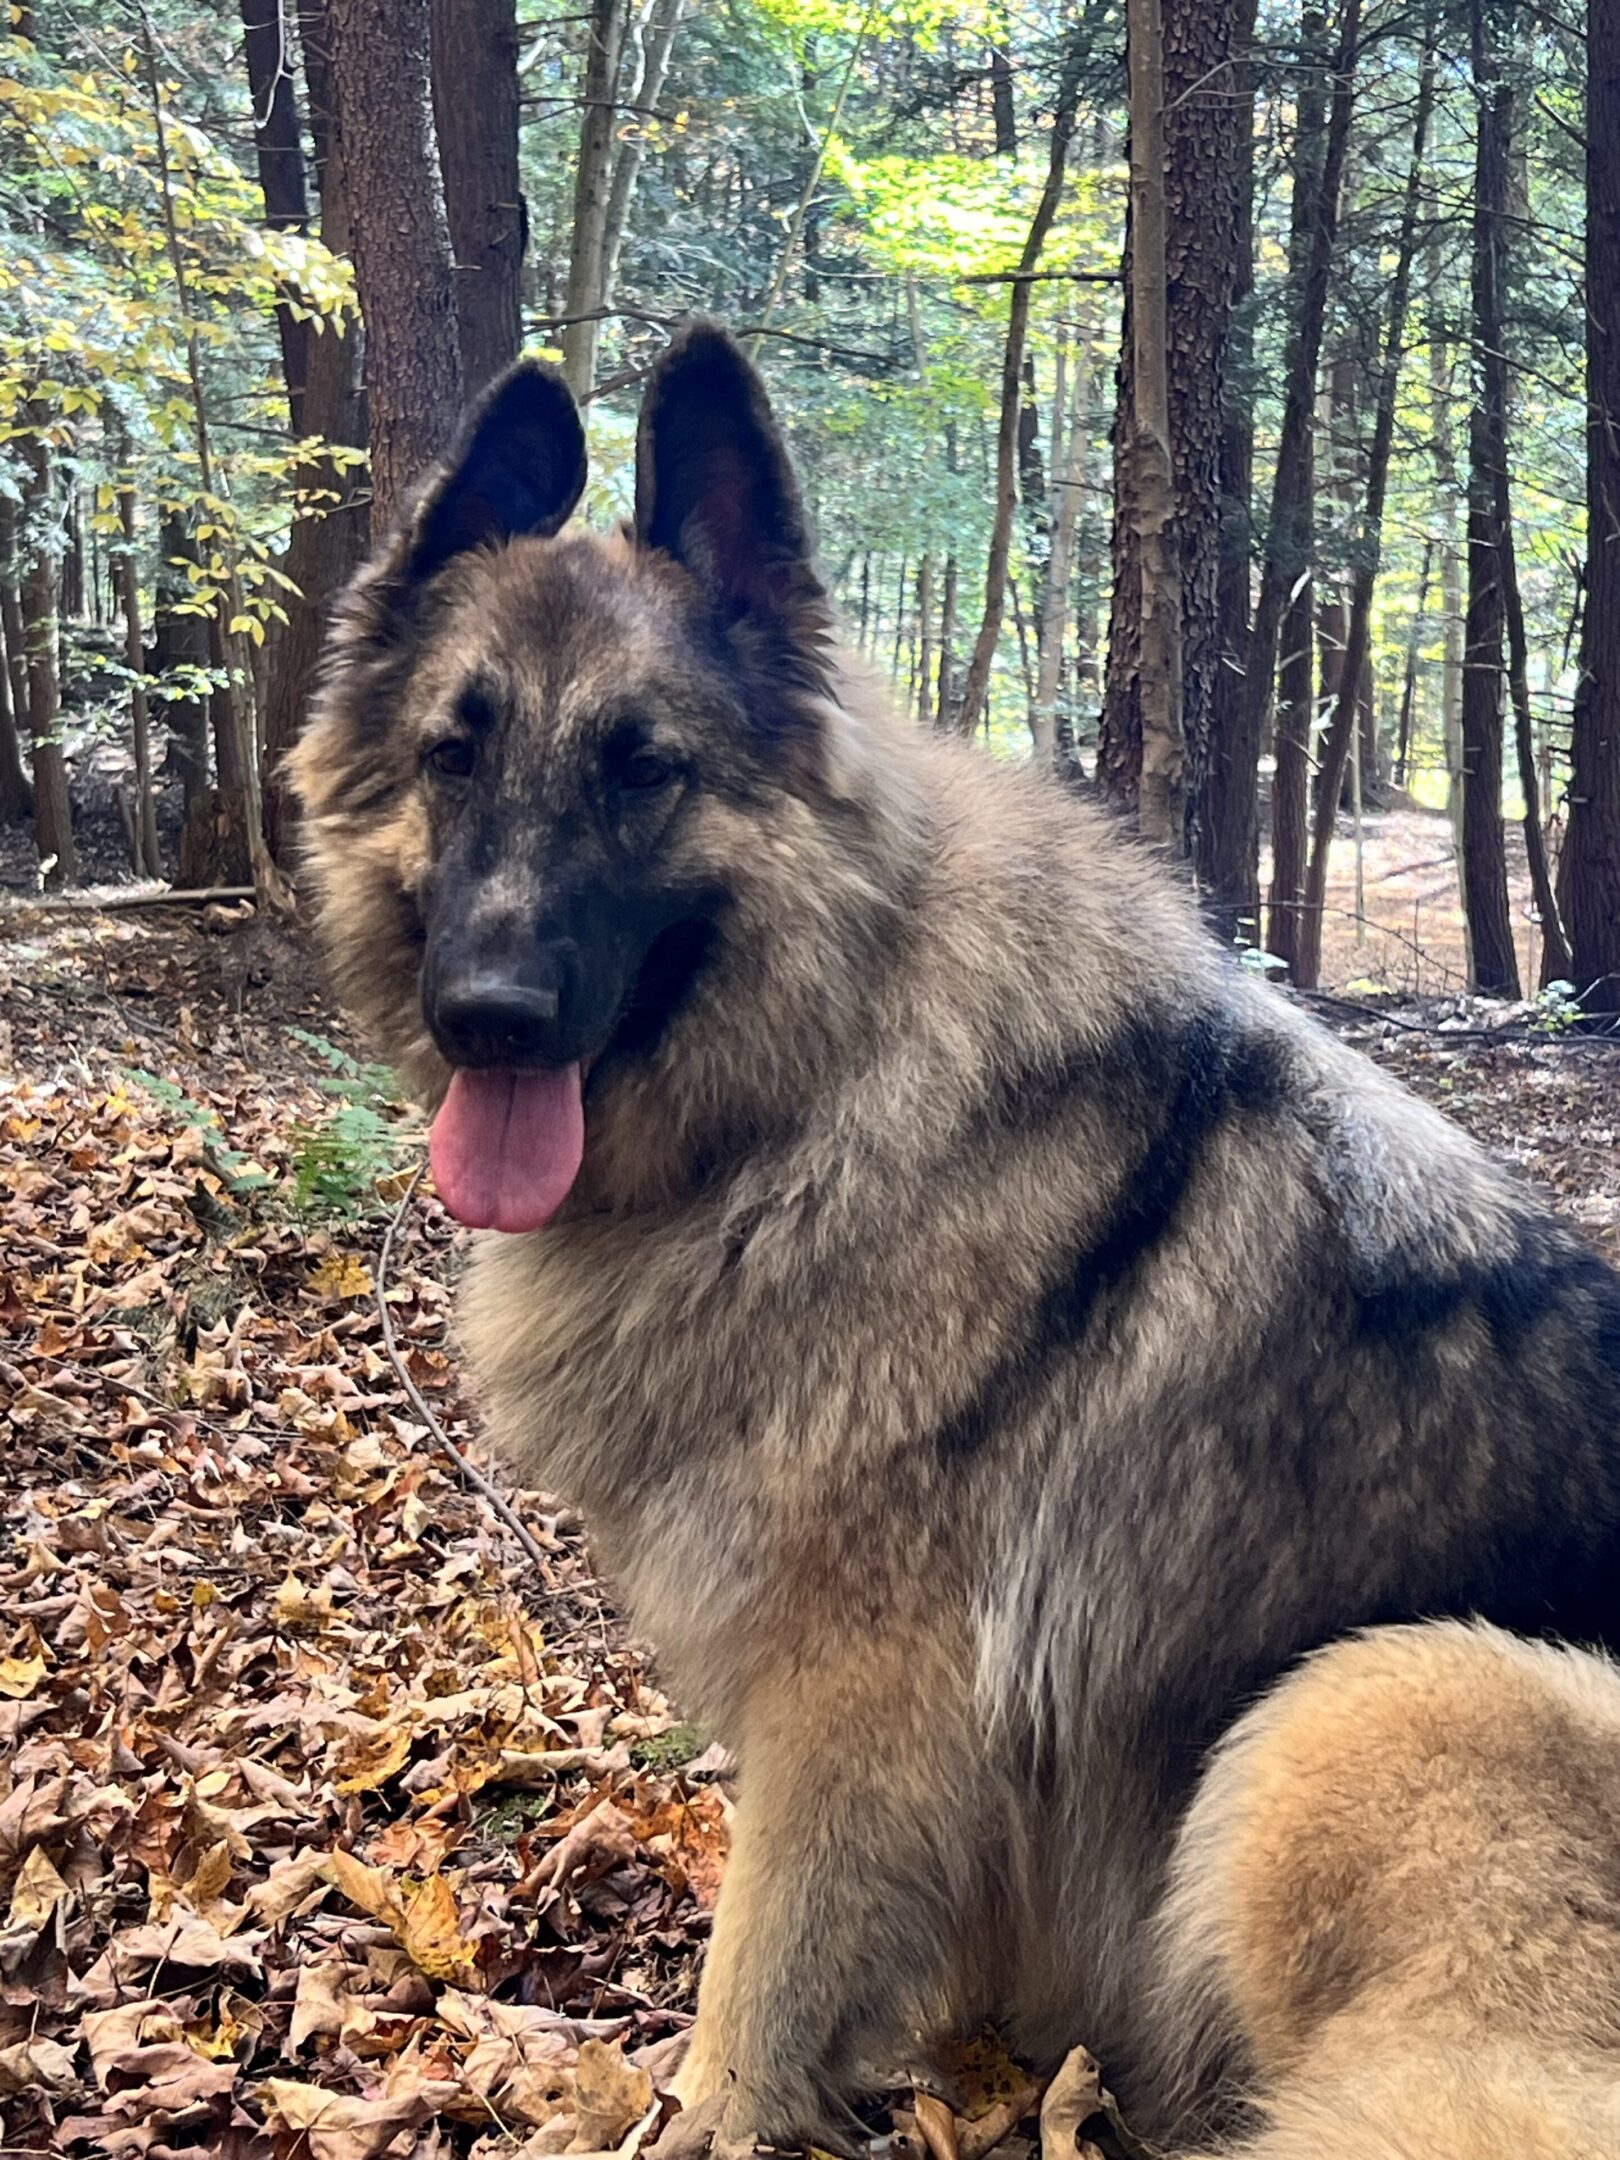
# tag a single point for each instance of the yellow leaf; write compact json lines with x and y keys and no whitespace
{"x":431,"y":1935}
{"x":19,"y":1676}
{"x":37,"y":1892}
{"x":342,"y":1275}
{"x":373,"y":1762}
{"x":373,"y":1889}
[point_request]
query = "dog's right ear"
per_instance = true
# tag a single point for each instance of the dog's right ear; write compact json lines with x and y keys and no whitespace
{"x":517,"y":466}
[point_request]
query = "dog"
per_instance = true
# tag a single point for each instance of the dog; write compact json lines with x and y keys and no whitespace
{"x":989,"y":1333}
{"x":1396,"y":1897}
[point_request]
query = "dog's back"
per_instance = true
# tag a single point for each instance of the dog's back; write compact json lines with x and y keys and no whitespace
{"x":1396,"y":1903}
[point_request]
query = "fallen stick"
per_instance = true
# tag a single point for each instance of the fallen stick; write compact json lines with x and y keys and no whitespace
{"x":164,"y":896}
{"x":469,"y":1471}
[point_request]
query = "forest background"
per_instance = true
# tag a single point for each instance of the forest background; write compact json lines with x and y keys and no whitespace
{"x":1264,"y":481}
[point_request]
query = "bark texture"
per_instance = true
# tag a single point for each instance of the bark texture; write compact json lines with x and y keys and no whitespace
{"x":1207,"y":150}
{"x":41,"y":550}
{"x":1490,"y":922}
{"x":329,"y":538}
{"x":268,"y":46}
{"x":475,"y":105}
{"x":1589,"y":872}
{"x":593,"y":184}
{"x":400,"y":238}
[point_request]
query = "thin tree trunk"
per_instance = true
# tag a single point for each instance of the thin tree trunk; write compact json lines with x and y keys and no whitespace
{"x":145,"y":855}
{"x":180,"y":642}
{"x":925,"y":635}
{"x":1444,"y":448}
{"x":267,"y":44}
{"x":945,"y":708}
{"x":1290,"y":783}
{"x":1358,"y":633}
{"x":16,"y":789}
{"x":656,"y":46}
{"x":475,"y":104}
{"x":593,"y":180}
{"x":228,"y":654}
{"x":329,"y":537}
{"x":1226,"y":816}
{"x":1068,"y":470}
{"x":1286,"y":553}
{"x":1496,"y":962}
{"x":1151,"y":492}
{"x":401,"y":239}
{"x":1554,"y":943}
{"x":1589,"y":870}
{"x":53,"y":817}
{"x":976,"y":686}
{"x":1414,"y":642}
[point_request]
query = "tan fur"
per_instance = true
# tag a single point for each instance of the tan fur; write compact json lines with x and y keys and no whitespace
{"x":991,"y":1334}
{"x":1399,"y":1886}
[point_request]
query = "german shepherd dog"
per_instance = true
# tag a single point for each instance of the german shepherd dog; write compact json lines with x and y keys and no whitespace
{"x":1398,"y":1893}
{"x":989,"y":1333}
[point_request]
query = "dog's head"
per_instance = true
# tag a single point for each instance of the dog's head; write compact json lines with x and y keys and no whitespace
{"x":556,"y":783}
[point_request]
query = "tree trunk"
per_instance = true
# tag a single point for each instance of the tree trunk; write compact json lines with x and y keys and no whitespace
{"x":925,"y":636}
{"x":1444,"y":448}
{"x":1338,"y":740}
{"x":1068,"y":468}
{"x":976,"y":686}
{"x":1225,"y":814}
{"x":146,"y":857}
{"x":1496,"y":964}
{"x":267,"y":44}
{"x":53,"y":817}
{"x":945,"y":709}
{"x":657,"y":44}
{"x":180,"y":642}
{"x":1414,"y":643}
{"x":593,"y":181}
{"x":401,"y":239}
{"x":1554,"y":943}
{"x":475,"y":104}
{"x":1207,"y":138}
{"x":1290,"y":783}
{"x":1149,"y":483}
{"x":329,"y":538}
{"x":1589,"y":871}
{"x":1286,"y":555}
{"x":16,"y":789}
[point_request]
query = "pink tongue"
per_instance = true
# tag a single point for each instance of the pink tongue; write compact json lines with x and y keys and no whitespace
{"x":506,"y":1146}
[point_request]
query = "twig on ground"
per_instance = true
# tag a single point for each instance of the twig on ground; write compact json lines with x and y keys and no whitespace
{"x":1503,"y":1031}
{"x":468,"y":1471}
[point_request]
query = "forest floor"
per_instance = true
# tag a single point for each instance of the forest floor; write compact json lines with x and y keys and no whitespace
{"x":331,"y":1824}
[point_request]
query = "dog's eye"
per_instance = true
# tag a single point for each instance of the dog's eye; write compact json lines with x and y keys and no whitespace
{"x":451,"y":759}
{"x":644,"y":768}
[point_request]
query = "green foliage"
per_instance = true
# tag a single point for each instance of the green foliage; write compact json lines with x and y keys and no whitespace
{"x":244,"y":1180}
{"x":339,"y":1163}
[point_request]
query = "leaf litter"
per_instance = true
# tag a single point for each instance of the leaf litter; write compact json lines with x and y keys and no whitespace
{"x":332,"y":1824}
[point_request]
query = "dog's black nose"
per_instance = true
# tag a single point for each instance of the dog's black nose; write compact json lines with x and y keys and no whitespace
{"x":492,"y":1018}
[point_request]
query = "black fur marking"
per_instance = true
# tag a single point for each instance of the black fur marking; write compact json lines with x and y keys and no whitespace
{"x":668,"y":975}
{"x":1205,"y":1068}
{"x":1546,"y":1273}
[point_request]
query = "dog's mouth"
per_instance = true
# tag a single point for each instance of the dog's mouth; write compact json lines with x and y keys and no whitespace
{"x":508,"y":1142}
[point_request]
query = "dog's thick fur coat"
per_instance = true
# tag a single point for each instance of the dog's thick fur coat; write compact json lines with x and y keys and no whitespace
{"x":1397,"y":1896}
{"x":990,"y":1335}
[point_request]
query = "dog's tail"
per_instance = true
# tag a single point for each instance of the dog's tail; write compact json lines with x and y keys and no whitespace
{"x":1394,"y":1911}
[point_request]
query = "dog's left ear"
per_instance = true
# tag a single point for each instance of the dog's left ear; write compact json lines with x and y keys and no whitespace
{"x":715,"y":486}
{"x":518,"y":466}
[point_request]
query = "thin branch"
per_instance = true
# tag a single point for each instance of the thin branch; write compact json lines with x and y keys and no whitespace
{"x":465,"y":1469}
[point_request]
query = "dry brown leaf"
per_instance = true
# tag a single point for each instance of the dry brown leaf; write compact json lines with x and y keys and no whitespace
{"x":37,"y":1891}
{"x":610,"y":2095}
{"x":339,"y":2126}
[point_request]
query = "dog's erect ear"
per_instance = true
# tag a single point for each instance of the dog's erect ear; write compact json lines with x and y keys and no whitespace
{"x":518,"y":466}
{"x":715,"y":486}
